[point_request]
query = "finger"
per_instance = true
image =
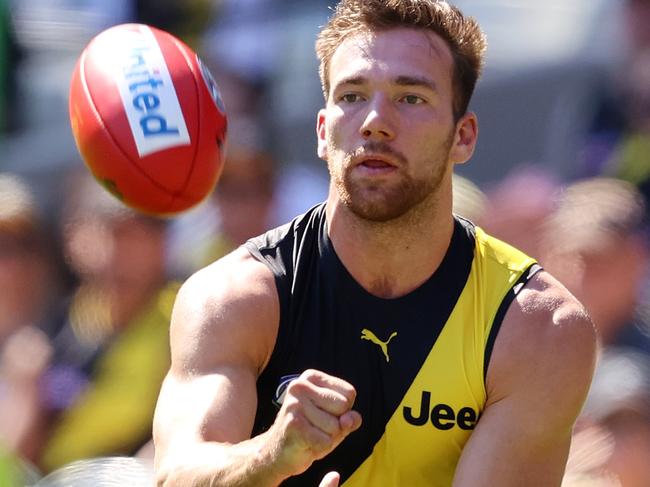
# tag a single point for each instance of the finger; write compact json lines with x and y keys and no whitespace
{"x":331,"y":382}
{"x":350,"y":421}
{"x":319,"y":409}
{"x":324,"y":420}
{"x":330,"y":480}
{"x":329,"y":400}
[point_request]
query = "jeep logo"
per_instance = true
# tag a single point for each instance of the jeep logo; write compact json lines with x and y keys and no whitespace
{"x":442,"y":416}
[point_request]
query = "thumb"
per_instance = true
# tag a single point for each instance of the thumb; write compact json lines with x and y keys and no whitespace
{"x":330,"y":480}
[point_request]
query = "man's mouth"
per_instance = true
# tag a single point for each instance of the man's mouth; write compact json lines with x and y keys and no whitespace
{"x":375,"y":163}
{"x":375,"y":166}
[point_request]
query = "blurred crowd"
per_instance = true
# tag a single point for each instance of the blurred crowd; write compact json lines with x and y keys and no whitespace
{"x":87,"y":285}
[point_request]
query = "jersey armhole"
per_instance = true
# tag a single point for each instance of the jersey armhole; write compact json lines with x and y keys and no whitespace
{"x":272,"y":259}
{"x":501,"y":312}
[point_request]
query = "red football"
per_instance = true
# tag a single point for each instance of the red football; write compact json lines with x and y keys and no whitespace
{"x":148,"y":119}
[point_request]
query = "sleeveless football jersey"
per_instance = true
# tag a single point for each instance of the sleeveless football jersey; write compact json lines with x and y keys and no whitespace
{"x":418,"y":362}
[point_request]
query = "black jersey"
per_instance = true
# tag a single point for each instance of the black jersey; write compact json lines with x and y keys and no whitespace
{"x":382,"y":347}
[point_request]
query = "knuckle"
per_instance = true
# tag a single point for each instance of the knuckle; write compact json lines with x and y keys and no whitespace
{"x":344,"y":400}
{"x":340,"y":408}
{"x":349,"y":391}
{"x":297,"y":388}
{"x":310,"y":375}
{"x":292,"y":405}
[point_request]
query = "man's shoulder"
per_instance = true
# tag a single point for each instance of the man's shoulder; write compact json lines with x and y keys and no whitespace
{"x":547,"y":340}
{"x":227,"y":312}
{"x":237,"y":275}
{"x":546,"y":307}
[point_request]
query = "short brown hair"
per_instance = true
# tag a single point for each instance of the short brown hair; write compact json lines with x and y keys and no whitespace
{"x":465,"y":38}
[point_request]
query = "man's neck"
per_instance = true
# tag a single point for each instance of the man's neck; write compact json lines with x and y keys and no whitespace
{"x":391,"y":259}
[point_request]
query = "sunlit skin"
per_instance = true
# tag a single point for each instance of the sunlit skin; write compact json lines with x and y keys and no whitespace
{"x":390,"y":141}
{"x":388,"y":127}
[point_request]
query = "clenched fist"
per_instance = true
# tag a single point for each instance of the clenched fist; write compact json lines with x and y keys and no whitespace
{"x":315,"y":417}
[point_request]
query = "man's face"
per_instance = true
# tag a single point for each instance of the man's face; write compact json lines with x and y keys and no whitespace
{"x":387,"y":131}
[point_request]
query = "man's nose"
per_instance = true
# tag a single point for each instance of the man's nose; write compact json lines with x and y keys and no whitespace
{"x":379,"y":123}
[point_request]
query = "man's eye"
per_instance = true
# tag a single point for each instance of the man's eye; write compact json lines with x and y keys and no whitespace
{"x":350,"y":98}
{"x":412,"y":99}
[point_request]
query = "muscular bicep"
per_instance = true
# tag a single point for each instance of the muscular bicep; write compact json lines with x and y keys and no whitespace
{"x":538,"y":378}
{"x":222,"y":333}
{"x":216,"y":407}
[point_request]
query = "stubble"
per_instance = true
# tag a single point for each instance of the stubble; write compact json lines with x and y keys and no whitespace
{"x":383,"y":201}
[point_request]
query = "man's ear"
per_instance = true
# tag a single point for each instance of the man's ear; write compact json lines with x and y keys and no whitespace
{"x":464,"y":139}
{"x":322,"y":134}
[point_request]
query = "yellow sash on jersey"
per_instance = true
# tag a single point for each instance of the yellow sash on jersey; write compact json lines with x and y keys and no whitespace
{"x":424,"y":450}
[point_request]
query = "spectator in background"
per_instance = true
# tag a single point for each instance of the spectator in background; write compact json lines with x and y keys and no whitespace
{"x":595,"y":243}
{"x":243,"y":205}
{"x":26,"y":268}
{"x":590,"y":449}
{"x":618,"y":142}
{"x":254,"y":50}
{"x":612,"y":440}
{"x":28,"y":288}
{"x":245,"y":197}
{"x":111,"y":340}
{"x":517,"y":207}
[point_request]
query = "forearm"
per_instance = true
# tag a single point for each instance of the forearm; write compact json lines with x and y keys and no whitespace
{"x":244,"y":464}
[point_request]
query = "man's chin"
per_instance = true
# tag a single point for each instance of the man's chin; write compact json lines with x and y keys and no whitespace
{"x":377,"y":212}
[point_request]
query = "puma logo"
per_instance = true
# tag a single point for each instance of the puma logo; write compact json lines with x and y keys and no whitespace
{"x":368,"y":335}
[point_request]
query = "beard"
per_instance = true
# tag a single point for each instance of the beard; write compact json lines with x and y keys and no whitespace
{"x":379,"y":201}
